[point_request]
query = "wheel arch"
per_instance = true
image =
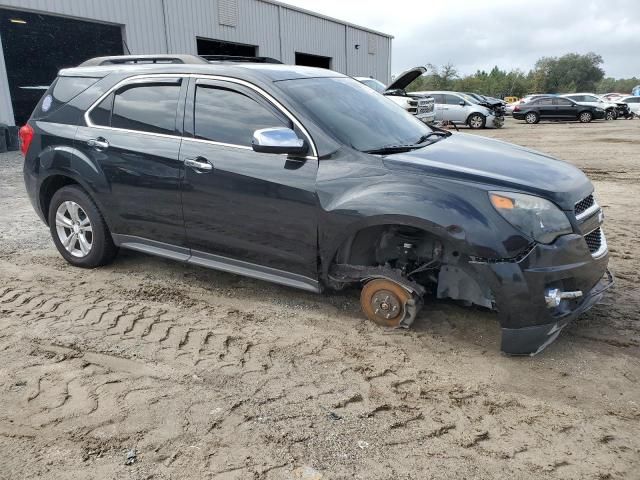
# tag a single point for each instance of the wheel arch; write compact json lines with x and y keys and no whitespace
{"x":367,"y":228}
{"x":475,"y":112}
{"x":62,"y":166}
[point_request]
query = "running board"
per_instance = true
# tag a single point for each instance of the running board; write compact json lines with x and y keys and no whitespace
{"x":216,"y":262}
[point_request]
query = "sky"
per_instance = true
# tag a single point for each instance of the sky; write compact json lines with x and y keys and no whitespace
{"x":480,"y":34}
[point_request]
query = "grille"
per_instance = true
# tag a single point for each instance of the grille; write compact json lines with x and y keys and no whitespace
{"x":425,"y":106}
{"x":594,"y":240}
{"x":584,"y":204}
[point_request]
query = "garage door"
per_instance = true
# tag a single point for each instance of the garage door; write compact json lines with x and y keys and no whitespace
{"x":36,"y":46}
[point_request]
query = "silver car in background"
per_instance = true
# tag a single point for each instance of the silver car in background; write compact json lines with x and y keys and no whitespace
{"x":461,"y":109}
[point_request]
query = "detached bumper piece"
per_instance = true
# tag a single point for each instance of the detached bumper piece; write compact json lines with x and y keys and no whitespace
{"x":532,"y":340}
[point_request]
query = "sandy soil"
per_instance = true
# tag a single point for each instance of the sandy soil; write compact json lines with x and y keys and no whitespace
{"x":210,"y":375}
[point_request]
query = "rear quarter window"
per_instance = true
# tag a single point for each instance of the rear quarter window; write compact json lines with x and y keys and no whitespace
{"x":61,"y":92}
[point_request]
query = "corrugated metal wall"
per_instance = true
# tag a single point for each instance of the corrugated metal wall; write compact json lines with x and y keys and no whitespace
{"x":365,"y":64}
{"x":144,"y":19}
{"x":6,"y":110}
{"x":171,"y":26}
{"x":257,"y":25}
{"x":317,"y":36}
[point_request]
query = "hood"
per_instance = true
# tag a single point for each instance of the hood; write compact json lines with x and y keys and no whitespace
{"x":405,"y":78}
{"x":498,"y":164}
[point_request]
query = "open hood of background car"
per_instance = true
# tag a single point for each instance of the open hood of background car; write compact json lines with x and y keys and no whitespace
{"x":405,"y":78}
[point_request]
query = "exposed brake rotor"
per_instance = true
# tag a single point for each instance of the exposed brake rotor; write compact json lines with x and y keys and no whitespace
{"x":388,"y":303}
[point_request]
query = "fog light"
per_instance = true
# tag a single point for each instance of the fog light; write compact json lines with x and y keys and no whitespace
{"x":554,"y":296}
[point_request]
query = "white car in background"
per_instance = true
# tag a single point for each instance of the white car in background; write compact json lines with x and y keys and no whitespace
{"x":633,"y":102}
{"x":611,"y":109}
{"x":459,"y":108}
{"x":421,"y":106}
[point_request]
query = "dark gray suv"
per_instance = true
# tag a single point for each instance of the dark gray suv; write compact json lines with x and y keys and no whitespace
{"x":307,"y":178}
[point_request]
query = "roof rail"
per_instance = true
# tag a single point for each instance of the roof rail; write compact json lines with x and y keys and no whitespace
{"x":233,"y":58}
{"x":141,"y":59}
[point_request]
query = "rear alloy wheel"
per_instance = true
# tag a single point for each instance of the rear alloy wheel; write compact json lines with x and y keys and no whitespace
{"x":531,"y":118}
{"x":476,"y":121}
{"x":384,"y":302}
{"x":611,"y":115}
{"x":585,"y":117}
{"x":78,"y":229}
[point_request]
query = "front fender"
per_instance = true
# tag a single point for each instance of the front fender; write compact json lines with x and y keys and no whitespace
{"x":458,"y":213}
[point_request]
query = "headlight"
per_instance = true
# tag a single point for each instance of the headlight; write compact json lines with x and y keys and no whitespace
{"x":534,"y":216}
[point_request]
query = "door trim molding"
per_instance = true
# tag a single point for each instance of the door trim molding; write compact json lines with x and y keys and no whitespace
{"x":216,"y":262}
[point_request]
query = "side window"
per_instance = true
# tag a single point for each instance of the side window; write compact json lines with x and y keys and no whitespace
{"x":229,"y":116}
{"x":543,"y":101}
{"x":589,"y":98}
{"x":563,"y":102}
{"x":438,"y":98}
{"x":452,"y":99}
{"x":577,"y":98}
{"x":101,"y":114}
{"x":149,"y":107}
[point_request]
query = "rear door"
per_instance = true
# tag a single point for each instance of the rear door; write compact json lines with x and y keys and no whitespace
{"x":240,"y":205}
{"x":132,"y":136}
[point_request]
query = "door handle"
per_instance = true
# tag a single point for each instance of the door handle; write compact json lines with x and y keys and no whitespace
{"x":198,"y":163}
{"x":98,"y":143}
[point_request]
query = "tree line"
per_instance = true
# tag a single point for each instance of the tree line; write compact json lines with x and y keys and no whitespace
{"x":569,"y":73}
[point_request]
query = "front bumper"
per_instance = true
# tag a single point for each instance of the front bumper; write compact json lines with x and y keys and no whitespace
{"x":428,"y":118}
{"x":519,"y":289}
{"x":532,"y":340}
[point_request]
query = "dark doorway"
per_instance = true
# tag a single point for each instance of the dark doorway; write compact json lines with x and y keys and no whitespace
{"x":309,"y":60}
{"x":37,"y":46}
{"x":218,"y":47}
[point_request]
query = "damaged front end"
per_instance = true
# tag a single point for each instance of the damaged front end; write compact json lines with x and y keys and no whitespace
{"x":498,"y":109}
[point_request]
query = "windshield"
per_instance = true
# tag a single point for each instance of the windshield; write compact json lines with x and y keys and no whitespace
{"x":353,"y":113}
{"x":375,"y":84}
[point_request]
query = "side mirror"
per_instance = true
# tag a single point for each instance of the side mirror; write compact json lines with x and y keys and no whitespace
{"x":462,"y":103}
{"x":278,"y":140}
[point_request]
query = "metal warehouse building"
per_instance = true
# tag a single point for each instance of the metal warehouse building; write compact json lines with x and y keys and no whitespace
{"x":38,"y":37}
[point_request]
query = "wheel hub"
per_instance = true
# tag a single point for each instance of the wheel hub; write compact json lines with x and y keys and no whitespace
{"x":386,"y":304}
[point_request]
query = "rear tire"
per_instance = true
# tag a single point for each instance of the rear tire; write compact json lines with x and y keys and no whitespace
{"x":532,"y":118}
{"x":585,"y":117}
{"x":476,"y":121}
{"x":78,"y":229}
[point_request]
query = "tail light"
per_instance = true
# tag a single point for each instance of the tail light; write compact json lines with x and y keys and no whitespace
{"x":26,"y":135}
{"x":516,"y":108}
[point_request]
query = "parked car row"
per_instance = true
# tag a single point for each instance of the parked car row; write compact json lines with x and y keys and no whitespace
{"x":583,"y":107}
{"x":472,"y":109}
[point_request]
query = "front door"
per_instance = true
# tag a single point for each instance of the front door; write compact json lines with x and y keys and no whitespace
{"x":241,"y":205}
{"x":132,"y":137}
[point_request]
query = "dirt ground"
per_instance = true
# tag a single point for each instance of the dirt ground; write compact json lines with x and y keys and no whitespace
{"x":210,"y":375}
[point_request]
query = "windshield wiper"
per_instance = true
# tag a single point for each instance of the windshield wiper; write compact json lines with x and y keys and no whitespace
{"x":422,"y":142}
{"x":387,"y":149}
{"x":435,"y":133}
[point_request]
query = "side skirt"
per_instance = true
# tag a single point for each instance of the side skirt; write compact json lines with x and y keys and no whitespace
{"x":216,"y":262}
